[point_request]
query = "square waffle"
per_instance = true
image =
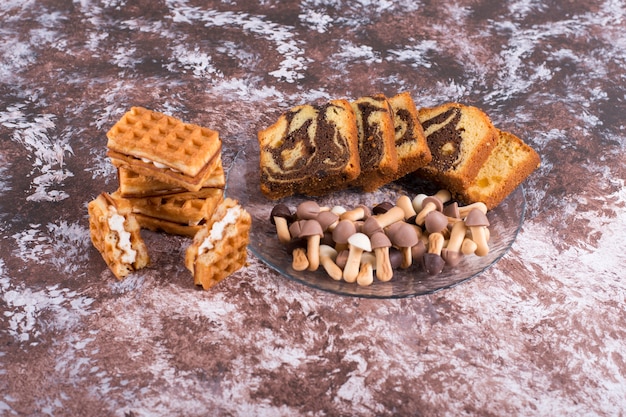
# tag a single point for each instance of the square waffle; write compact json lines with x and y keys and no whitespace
{"x":220,"y":247}
{"x":115,"y":233}
{"x":133,"y":185}
{"x":179,"y":213}
{"x":160,"y":146}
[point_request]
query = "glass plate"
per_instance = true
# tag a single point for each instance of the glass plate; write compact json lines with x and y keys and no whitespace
{"x":243,"y":185}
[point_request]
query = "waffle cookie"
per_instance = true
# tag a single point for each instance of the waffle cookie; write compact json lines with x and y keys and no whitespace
{"x":180,"y":213}
{"x":156,"y":145}
{"x":460,"y":139}
{"x":135,"y":185}
{"x":376,"y":138}
{"x":509,"y":164}
{"x":411,"y":146}
{"x":219,"y":248}
{"x":115,"y":233}
{"x":310,"y":150}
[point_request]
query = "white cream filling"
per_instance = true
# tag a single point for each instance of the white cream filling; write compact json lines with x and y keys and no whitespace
{"x":217,"y":230}
{"x":158,"y":164}
{"x":116,"y":223}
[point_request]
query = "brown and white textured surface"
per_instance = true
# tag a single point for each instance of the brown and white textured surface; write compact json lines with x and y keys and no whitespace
{"x":541,"y":333}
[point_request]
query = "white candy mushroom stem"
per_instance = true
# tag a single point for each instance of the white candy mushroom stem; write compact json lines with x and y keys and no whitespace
{"x":360,"y":212}
{"x":300,"y":261}
{"x":357,"y":243}
{"x":405,"y":203}
{"x":457,"y":235}
{"x":394,"y":214}
{"x":468,"y":247}
{"x":327,"y":260}
{"x":464,"y":210}
{"x":365,"y":276}
{"x":477,"y":223}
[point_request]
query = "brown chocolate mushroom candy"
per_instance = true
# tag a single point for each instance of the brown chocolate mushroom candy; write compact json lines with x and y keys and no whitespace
{"x":477,"y":222}
{"x":312,"y":232}
{"x":342,"y":231}
{"x":433,"y":262}
{"x":307,"y":210}
{"x":380,"y":245}
{"x":452,"y":254}
{"x":429,"y":204}
{"x":403,"y":236}
{"x":281,"y":216}
{"x":382,"y":207}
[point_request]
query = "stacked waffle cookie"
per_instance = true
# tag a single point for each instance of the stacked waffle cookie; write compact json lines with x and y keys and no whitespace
{"x":171,"y":179}
{"x":171,"y":172}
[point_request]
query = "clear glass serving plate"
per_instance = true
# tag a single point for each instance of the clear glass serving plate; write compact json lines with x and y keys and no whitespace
{"x":243,"y":185}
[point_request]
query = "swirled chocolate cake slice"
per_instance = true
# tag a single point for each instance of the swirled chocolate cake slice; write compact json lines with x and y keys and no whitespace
{"x":460,"y":139}
{"x":411,"y":146}
{"x":310,"y":150}
{"x":509,"y":164}
{"x":377,"y":149}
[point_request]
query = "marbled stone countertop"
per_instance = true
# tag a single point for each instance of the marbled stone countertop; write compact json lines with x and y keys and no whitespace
{"x":542,"y":332}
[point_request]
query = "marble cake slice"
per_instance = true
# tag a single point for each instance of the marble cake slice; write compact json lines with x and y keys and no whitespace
{"x":460,"y":139}
{"x":310,"y":150}
{"x":411,"y":145}
{"x":376,"y":133}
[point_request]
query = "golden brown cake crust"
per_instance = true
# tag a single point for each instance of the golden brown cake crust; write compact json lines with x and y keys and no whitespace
{"x":310,"y":150}
{"x":460,"y":139}
{"x":509,"y":164}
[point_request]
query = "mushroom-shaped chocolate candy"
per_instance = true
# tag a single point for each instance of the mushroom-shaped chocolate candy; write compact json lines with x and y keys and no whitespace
{"x":360,"y":212}
{"x":312,"y":232}
{"x":327,"y":219}
{"x":418,"y":202}
{"x":382,"y":207}
{"x":357,"y":244}
{"x":342,"y":231}
{"x":280,"y":217}
{"x":365,"y":276}
{"x":452,"y":210}
{"x":295,"y":228}
{"x":377,"y":223}
{"x":452,"y":252}
{"x":465,"y":210}
{"x":300,"y":261}
{"x":327,"y":259}
{"x":477,"y":223}
{"x":435,"y":221}
{"x":307,"y":210}
{"x":405,"y":203}
{"x":429,"y":204}
{"x":433,"y":262}
{"x":342,"y":258}
{"x":403,"y":236}
{"x":380,"y":245}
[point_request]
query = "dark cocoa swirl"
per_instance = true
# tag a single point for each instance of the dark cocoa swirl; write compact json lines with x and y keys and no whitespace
{"x":323,"y":154}
{"x":404,"y":126}
{"x":445,"y":142}
{"x":372,"y":143}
